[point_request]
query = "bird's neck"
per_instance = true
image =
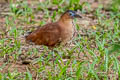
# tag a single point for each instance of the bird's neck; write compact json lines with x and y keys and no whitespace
{"x":65,"y":21}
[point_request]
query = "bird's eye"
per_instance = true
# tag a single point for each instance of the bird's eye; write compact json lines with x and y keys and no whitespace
{"x":71,"y":14}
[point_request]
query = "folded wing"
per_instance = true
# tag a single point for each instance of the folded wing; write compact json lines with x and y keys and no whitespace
{"x":48,"y":35}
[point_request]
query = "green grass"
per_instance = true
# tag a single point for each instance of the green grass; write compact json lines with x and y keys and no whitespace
{"x":94,"y":56}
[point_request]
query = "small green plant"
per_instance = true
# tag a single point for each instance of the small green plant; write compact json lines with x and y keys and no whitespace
{"x":115,"y":5}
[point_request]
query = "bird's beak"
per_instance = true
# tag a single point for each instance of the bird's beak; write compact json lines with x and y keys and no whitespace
{"x":78,"y":16}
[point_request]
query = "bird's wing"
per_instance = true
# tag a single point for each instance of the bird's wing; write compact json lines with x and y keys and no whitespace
{"x":47,"y":35}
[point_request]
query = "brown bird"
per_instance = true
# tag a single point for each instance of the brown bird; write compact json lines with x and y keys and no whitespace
{"x":52,"y":34}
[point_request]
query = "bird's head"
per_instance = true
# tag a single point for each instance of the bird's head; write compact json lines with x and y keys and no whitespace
{"x":69,"y":14}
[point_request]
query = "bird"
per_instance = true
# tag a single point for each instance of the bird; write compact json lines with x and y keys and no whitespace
{"x":56,"y":33}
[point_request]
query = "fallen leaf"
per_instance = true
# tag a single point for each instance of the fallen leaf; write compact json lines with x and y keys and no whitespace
{"x":94,"y":27}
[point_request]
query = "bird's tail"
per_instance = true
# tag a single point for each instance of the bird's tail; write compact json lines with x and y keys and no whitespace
{"x":26,"y":35}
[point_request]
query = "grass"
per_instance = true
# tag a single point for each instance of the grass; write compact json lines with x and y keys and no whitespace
{"x":93,"y":56}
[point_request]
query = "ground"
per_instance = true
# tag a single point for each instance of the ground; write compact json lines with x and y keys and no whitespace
{"x":88,"y":57}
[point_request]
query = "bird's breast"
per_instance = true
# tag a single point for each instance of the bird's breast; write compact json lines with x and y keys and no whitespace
{"x":68,"y":31}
